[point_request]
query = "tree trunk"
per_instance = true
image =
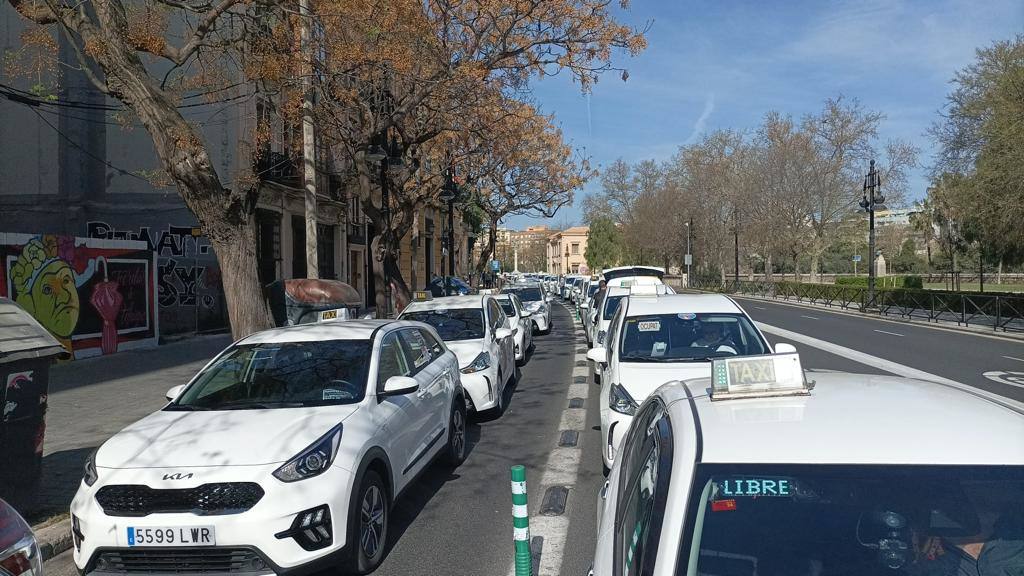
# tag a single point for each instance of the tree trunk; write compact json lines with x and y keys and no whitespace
{"x":999,"y":271}
{"x":379,"y":286}
{"x":246,"y":304}
{"x":768,"y":265}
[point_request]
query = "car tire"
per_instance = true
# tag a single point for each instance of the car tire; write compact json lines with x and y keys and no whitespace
{"x":370,"y":501}
{"x":455,"y":452}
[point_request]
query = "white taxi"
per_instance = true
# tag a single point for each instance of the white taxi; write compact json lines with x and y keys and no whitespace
{"x":522,"y":325}
{"x":764,"y":470}
{"x":284,"y":454}
{"x":476,"y":329}
{"x":536,"y":301}
{"x":656,"y":338}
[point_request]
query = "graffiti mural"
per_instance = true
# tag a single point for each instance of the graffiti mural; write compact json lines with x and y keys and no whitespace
{"x":188,"y":280}
{"x":94,"y":296}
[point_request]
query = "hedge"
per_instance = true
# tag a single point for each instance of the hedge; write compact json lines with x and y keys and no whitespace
{"x":912,"y":282}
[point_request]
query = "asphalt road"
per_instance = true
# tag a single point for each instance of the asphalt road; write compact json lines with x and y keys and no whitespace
{"x":958,"y":355}
{"x":460,"y":522}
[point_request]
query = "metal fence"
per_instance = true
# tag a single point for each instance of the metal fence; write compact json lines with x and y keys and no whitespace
{"x":998,"y":311}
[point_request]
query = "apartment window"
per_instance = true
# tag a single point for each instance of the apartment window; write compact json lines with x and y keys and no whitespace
{"x":268,"y":244}
{"x":325,"y":251}
{"x":575,"y":248}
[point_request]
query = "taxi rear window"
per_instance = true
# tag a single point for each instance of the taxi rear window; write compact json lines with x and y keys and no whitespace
{"x":821,"y":520}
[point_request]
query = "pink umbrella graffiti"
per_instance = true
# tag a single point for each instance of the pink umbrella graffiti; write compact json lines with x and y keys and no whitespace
{"x":107,"y":301}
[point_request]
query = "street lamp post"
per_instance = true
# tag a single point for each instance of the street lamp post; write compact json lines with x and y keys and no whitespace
{"x":871,"y":201}
{"x":736,"y":244}
{"x":689,"y":255}
{"x":387,"y":157}
{"x":448,"y":193}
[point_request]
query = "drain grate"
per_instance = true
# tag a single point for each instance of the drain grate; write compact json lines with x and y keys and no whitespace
{"x":569,"y":438}
{"x":554,"y":501}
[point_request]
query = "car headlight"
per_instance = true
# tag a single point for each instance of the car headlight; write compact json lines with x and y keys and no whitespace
{"x":620,"y":400}
{"x":481,"y":362}
{"x":89,"y":474}
{"x":312,"y":461}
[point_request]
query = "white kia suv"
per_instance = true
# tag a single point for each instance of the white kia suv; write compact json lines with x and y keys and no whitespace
{"x":284,"y":454}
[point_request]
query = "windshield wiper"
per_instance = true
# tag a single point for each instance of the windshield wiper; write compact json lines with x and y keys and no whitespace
{"x":259,"y":405}
{"x":662,"y":359}
{"x":186,"y":408}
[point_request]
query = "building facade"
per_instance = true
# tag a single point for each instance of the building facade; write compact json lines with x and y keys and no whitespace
{"x":81,"y":186}
{"x":566,"y":249}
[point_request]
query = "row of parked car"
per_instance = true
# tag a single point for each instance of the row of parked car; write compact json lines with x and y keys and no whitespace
{"x":346,"y":412}
{"x":723,"y":455}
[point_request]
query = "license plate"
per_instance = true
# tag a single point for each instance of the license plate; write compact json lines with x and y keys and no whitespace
{"x":171,"y":536}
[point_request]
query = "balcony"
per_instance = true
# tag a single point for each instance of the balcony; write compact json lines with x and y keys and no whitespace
{"x":277,"y":167}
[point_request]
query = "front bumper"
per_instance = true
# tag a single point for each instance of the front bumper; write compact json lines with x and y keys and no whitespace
{"x":542,"y":320}
{"x":256,"y":529}
{"x":482,"y":388}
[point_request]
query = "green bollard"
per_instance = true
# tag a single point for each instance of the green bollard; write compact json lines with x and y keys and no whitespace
{"x":521,"y":522}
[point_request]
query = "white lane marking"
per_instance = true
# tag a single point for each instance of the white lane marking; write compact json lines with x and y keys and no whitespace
{"x":886,"y":365}
{"x":889,"y":333}
{"x":1008,"y":378}
{"x":760,"y":307}
{"x":561,"y":469}
{"x":1012,"y":358}
{"x":810,"y":317}
{"x":855,"y":355}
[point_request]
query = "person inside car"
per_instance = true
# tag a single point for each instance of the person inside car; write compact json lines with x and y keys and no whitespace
{"x":713,"y":335}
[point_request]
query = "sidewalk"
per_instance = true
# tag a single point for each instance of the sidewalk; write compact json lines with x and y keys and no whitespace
{"x":93,"y":398}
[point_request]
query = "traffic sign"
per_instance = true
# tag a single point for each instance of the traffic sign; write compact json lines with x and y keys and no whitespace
{"x":856,"y":257}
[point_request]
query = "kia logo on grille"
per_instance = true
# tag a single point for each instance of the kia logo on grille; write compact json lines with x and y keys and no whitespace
{"x":177,"y":476}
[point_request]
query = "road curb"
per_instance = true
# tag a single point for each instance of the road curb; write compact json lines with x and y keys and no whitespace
{"x":54,"y":539}
{"x":948,"y":326}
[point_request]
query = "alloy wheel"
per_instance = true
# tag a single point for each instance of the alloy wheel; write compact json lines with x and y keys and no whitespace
{"x":371,"y":521}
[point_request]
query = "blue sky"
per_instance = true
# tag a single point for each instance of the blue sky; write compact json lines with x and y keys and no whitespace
{"x":724,"y":64}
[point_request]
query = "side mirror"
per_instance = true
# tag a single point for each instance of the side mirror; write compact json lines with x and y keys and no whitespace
{"x":598,"y":354}
{"x":585,"y":306}
{"x":502,"y":333}
{"x":784,"y":348}
{"x":547,"y":298}
{"x":174,"y":392}
{"x":398,"y":385}
{"x":524,"y":313}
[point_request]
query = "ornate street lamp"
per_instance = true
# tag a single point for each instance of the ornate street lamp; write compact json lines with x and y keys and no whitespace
{"x":448,"y":194}
{"x":871,"y":202}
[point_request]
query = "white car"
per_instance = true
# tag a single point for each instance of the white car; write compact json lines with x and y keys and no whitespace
{"x":818,"y":474}
{"x":627,"y":276}
{"x":522,"y":325}
{"x":476,"y":330}
{"x":601,"y":317}
{"x":656,"y":338}
{"x":536,"y":302}
{"x":283,"y":454}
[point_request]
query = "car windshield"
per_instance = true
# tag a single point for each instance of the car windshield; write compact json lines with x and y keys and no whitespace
{"x":281,"y":375}
{"x":451,"y":323}
{"x":526,"y":294}
{"x":688,"y":337}
{"x":852,"y":520}
{"x":611,"y":305}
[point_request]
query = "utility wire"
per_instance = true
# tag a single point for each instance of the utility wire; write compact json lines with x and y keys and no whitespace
{"x":84,"y":151}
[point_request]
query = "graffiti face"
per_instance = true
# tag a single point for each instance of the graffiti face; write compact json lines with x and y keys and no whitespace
{"x":55,"y":299}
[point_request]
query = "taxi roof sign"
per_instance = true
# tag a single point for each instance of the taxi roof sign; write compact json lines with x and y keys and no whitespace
{"x":758,"y":376}
{"x":422,"y":296}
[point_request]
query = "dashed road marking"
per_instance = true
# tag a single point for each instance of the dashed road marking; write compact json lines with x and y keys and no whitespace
{"x":890,"y":333}
{"x":888,"y":365}
{"x":561,"y":471}
{"x":1012,"y":358}
{"x":810,"y":317}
